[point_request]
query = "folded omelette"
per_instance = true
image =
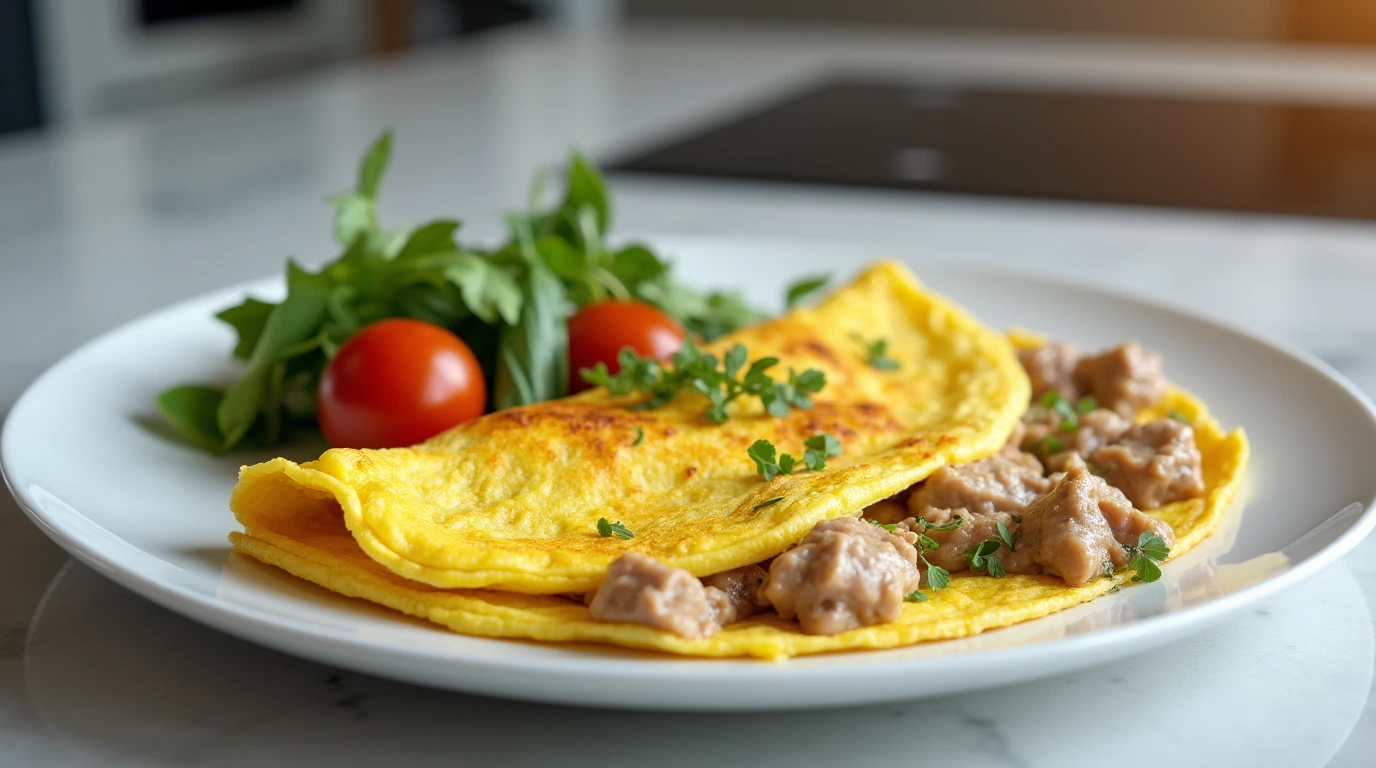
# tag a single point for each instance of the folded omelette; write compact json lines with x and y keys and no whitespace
{"x":490,"y":529}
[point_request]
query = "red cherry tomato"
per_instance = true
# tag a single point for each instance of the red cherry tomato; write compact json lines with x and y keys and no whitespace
{"x":398,"y":382}
{"x":598,"y":332}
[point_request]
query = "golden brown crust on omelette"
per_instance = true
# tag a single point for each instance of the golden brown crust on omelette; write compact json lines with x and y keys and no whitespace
{"x":511,"y":500}
{"x":315,"y":546}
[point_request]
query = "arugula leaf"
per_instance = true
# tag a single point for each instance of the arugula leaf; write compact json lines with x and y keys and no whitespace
{"x":435,"y":237}
{"x":191,"y":410}
{"x":374,"y":165}
{"x":356,"y":210}
{"x":247,"y":319}
{"x":533,"y":356}
{"x":296,"y":320}
{"x":488,"y":291}
{"x":609,"y":529}
{"x":803,"y":288}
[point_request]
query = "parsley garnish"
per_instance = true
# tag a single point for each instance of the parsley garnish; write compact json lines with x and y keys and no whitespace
{"x":1005,"y":537}
{"x":770,"y":464}
{"x":1178,"y":416}
{"x":768,"y":502}
{"x":1087,"y":404}
{"x":982,"y":559}
{"x":1070,"y":417}
{"x":927,"y":543}
{"x":876,"y":353}
{"x":914,"y":597}
{"x":951,"y":526}
{"x":720,"y":381}
{"x":1051,"y":444}
{"x":938,"y":578}
{"x":639,"y":436}
{"x":1143,"y":558}
{"x":613,"y":529}
{"x":890,"y":527}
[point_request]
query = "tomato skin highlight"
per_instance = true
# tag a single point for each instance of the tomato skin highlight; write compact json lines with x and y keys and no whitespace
{"x":598,"y":333}
{"x":396,"y":383}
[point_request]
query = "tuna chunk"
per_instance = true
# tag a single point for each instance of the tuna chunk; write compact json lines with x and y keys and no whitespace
{"x":642,"y":590}
{"x":846,"y":573}
{"x":741,"y":587}
{"x":974,"y":527}
{"x":1079,"y":529}
{"x":1125,"y":379}
{"x":1094,"y":430}
{"x":1153,"y":463}
{"x":1051,"y":367}
{"x":1006,"y":482}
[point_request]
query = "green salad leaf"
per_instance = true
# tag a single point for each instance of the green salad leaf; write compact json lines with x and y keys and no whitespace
{"x":509,"y":304}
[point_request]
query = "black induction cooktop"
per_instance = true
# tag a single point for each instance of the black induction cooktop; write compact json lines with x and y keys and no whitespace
{"x":1136,"y":150}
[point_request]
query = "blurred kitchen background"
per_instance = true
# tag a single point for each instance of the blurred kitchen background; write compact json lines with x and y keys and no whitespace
{"x":64,"y":63}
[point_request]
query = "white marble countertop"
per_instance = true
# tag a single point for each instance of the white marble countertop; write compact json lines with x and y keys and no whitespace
{"x":102,"y":224}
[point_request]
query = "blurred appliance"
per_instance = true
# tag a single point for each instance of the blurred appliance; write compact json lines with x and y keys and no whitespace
{"x":112,"y":55}
{"x":1136,"y":150}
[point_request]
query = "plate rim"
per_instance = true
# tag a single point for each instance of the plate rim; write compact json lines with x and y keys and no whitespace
{"x":293,"y":636}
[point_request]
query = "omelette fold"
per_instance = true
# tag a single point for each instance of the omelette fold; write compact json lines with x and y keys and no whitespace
{"x":490,"y":529}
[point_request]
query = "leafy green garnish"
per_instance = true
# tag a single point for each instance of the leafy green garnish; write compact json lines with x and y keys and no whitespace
{"x":1049,"y":444}
{"x":1070,"y":416}
{"x":938,"y":578}
{"x":1006,"y":538}
{"x":608,"y":529}
{"x":1144,"y":556}
{"x":639,"y":436}
{"x":982,"y":559}
{"x":1087,"y":404}
{"x":804,"y":288}
{"x":769,"y":502}
{"x":876,"y":353}
{"x":951,"y":526}
{"x":914,"y":597}
{"x":508,"y":304}
{"x":722,"y":382}
{"x":770,"y":464}
{"x":1178,"y":416}
{"x":890,"y":527}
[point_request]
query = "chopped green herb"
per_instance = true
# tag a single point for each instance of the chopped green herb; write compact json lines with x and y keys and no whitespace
{"x":982,"y":560}
{"x":994,"y":566}
{"x":639,"y":436}
{"x":1178,"y":416}
{"x":1049,"y":444}
{"x":769,"y":502}
{"x":914,"y":597}
{"x":613,"y":529}
{"x":1070,"y":418}
{"x":1087,"y":404}
{"x":720,"y":381}
{"x":927,"y":542}
{"x":951,"y":526}
{"x":804,"y":288}
{"x":937,"y":577}
{"x":876,"y":353}
{"x":770,"y":464}
{"x":1144,"y":556}
{"x":1006,"y":537}
{"x":890,"y":527}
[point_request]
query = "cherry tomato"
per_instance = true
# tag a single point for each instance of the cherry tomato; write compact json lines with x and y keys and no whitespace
{"x":398,"y":382}
{"x":598,"y":332}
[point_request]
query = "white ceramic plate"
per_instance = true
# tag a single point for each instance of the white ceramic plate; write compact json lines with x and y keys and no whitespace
{"x":81,"y":453}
